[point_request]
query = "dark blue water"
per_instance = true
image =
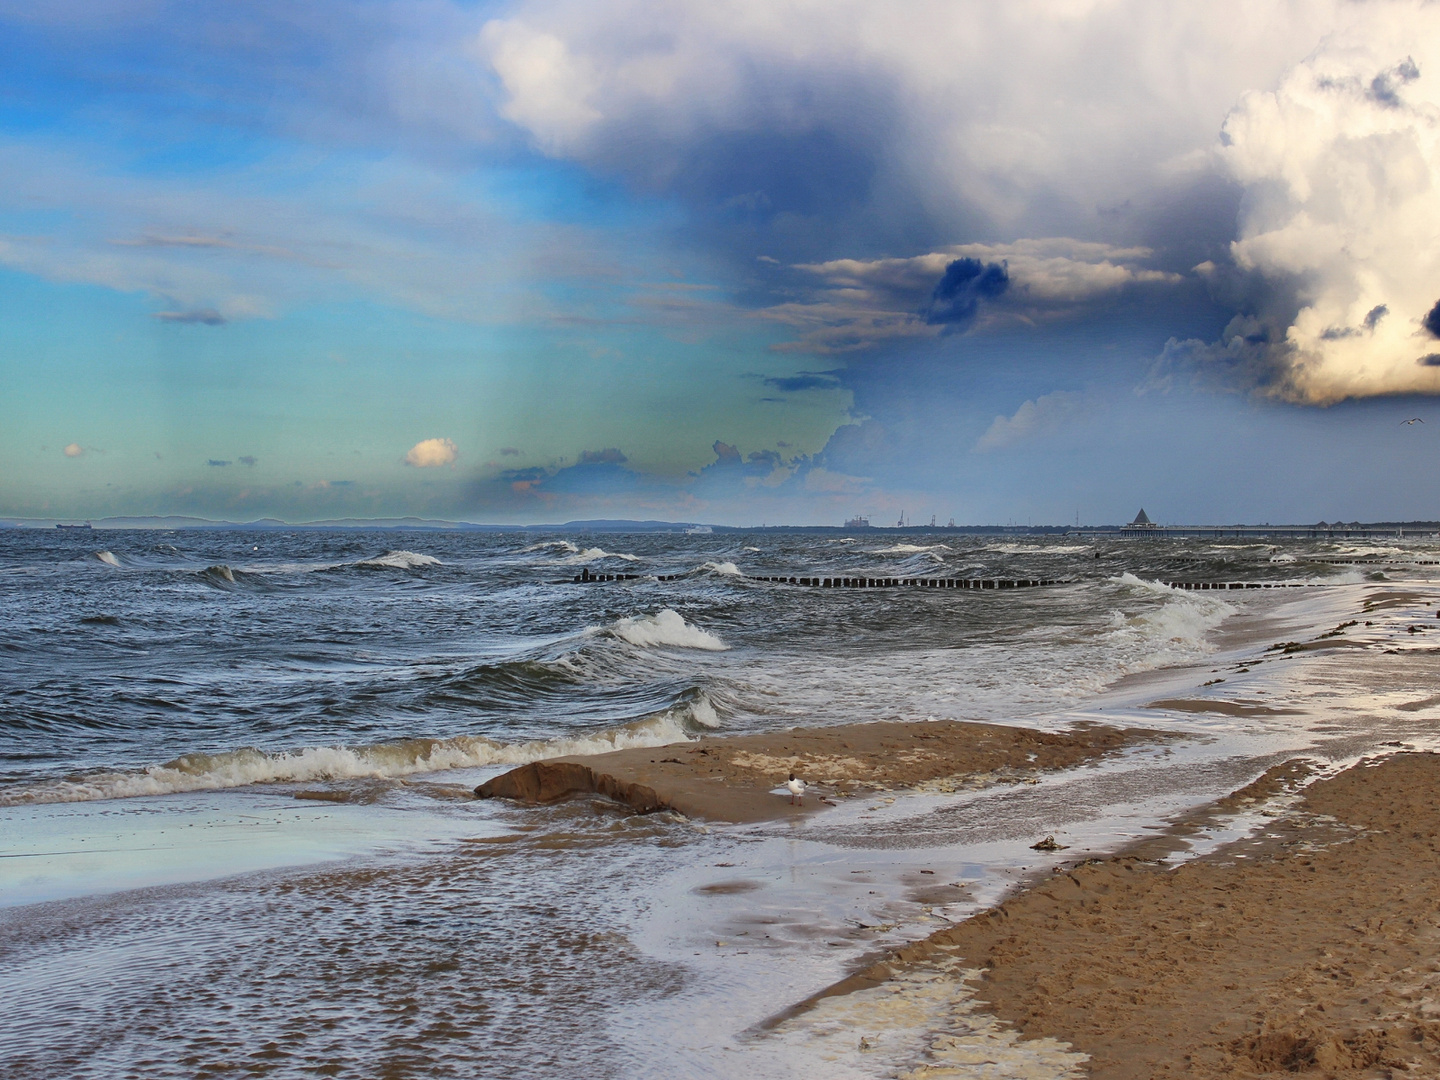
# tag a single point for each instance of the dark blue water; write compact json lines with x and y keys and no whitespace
{"x":125,"y":650}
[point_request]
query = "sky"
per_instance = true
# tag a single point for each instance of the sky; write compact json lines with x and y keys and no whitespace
{"x":739,"y":261}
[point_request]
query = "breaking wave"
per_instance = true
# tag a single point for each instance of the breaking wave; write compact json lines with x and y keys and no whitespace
{"x":400,"y":560}
{"x":107,"y":557}
{"x":219,"y":574}
{"x":726,"y":569}
{"x":389,"y":760}
{"x":1178,"y":629}
{"x":665,"y":627}
{"x":552,"y":545}
{"x":596,"y":554}
{"x":910,"y":549}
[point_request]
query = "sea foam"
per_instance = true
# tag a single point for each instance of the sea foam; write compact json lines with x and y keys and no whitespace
{"x":107,"y":557}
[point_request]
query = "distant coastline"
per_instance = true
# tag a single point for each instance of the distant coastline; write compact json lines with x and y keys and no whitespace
{"x":620,"y":525}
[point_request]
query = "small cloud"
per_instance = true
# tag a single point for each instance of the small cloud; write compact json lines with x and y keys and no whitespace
{"x":1384,"y":88}
{"x":340,"y":483}
{"x":205,"y":316}
{"x":1375,"y":314}
{"x":725,"y":452}
{"x":1042,"y":416}
{"x":767,"y":259}
{"x":806,"y":380}
{"x":74,"y":449}
{"x":611,"y":456}
{"x":509,"y":451}
{"x":214,"y":464}
{"x":1429,"y":360}
{"x":429,"y":453}
{"x":248,"y":460}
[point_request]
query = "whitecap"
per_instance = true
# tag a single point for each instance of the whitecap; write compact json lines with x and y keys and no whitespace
{"x":910,"y":549}
{"x":552,"y":545}
{"x":703,"y":713}
{"x":1180,"y":625}
{"x":665,"y":627}
{"x":239,"y":768}
{"x":726,"y":569}
{"x":401,"y":560}
{"x":107,"y":557}
{"x":595,"y":554}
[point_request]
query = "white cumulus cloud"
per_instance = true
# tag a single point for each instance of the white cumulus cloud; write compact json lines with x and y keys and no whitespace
{"x":74,"y":449}
{"x":1342,"y":223}
{"x":1042,"y":416}
{"x":428,"y":453}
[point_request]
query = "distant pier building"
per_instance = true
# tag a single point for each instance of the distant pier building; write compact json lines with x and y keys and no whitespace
{"x":1141,"y":526}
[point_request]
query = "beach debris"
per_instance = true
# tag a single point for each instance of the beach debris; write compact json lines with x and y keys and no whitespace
{"x":866,"y":1043}
{"x":1048,"y":844}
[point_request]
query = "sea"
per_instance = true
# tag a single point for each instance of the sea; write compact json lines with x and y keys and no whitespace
{"x":238,"y":836}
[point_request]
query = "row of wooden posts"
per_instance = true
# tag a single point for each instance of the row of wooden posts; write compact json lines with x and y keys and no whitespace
{"x":855,"y":582}
{"x":944,"y":583}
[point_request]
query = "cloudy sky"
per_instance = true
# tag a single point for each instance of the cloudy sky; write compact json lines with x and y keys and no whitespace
{"x":737,"y":261}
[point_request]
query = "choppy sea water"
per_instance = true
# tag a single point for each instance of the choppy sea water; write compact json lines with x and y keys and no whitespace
{"x":170,"y":907}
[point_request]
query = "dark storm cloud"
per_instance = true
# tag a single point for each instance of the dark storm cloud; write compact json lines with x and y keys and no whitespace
{"x":1432,"y":320}
{"x":956,"y":299}
{"x":610,"y":456}
{"x":806,"y":380}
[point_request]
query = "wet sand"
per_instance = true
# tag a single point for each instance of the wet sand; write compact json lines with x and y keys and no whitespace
{"x":1311,"y":948}
{"x":740,"y":778}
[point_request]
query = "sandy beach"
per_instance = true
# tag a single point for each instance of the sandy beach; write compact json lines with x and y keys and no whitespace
{"x":740,"y":779}
{"x":1310,"y":947}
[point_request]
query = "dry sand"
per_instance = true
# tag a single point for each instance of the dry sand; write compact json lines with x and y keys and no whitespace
{"x":734,"y":778}
{"x":1312,"y":948}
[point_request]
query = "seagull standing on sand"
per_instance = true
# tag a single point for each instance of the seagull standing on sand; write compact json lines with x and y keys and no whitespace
{"x":797,"y":790}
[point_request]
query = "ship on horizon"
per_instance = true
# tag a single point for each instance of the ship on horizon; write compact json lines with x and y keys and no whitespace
{"x":858,"y":522}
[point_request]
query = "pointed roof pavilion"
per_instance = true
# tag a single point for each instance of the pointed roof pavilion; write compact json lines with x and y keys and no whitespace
{"x":1141,"y":518}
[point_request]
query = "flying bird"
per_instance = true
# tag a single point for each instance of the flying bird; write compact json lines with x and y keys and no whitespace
{"x":1414,"y":420}
{"x":797,"y":790}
